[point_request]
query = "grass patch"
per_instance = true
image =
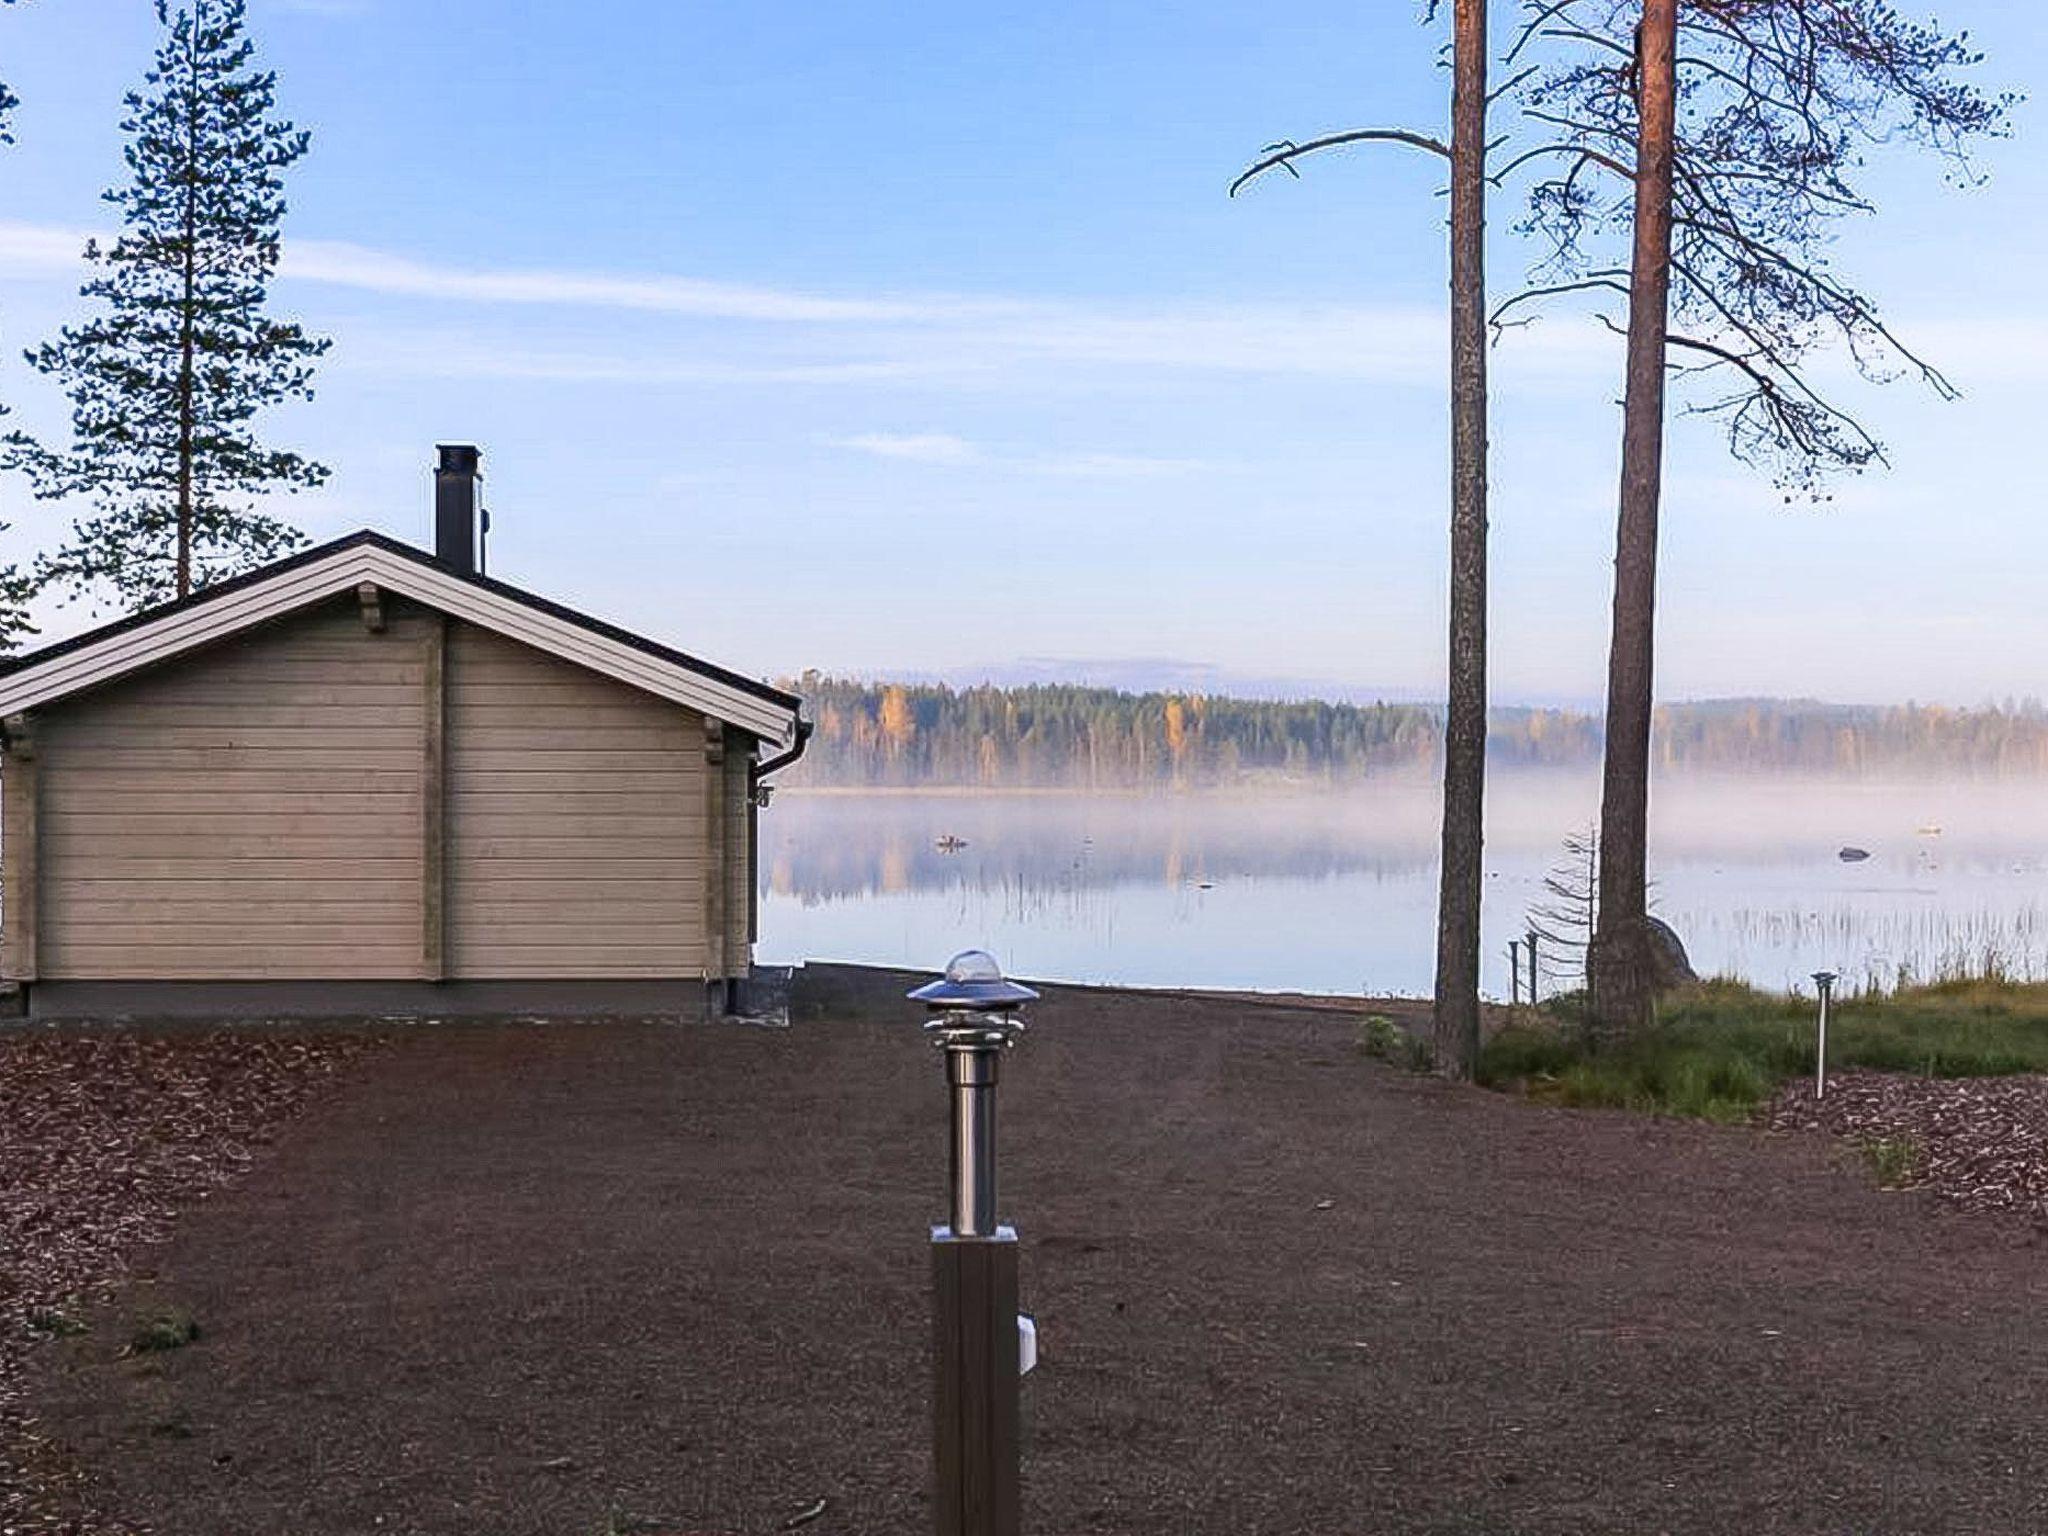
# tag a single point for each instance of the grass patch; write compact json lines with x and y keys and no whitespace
{"x":1719,"y":1049}
{"x":1894,"y":1161}
{"x":164,"y":1331}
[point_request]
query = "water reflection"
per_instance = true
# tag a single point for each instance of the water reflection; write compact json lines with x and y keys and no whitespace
{"x":1337,"y":893}
{"x":832,"y":847}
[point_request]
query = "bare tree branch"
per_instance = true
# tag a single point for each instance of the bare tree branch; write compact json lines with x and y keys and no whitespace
{"x":1282,"y":154}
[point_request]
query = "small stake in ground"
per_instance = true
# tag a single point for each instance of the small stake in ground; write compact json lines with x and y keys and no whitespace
{"x":1825,"y":981}
{"x":974,"y":1019}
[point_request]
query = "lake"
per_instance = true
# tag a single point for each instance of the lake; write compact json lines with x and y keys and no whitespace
{"x":1336,"y":892}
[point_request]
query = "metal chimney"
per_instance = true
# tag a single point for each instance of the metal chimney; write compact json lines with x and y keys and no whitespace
{"x":456,"y":507}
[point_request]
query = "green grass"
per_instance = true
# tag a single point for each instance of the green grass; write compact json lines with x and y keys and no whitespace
{"x":1894,"y":1161}
{"x":1719,"y":1049}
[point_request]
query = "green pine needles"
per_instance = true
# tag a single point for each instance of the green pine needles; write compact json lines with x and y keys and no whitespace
{"x":8,"y":102}
{"x":168,"y":375}
{"x":17,"y":587}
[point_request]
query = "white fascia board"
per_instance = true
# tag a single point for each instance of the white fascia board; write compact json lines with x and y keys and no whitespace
{"x":178,"y":633}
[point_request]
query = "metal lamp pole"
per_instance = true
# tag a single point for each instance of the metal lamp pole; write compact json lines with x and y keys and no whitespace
{"x":1825,"y":982}
{"x":974,"y":1019}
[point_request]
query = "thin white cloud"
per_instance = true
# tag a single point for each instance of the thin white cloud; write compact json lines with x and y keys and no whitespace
{"x":338,"y":10}
{"x":338,"y":263}
{"x":913,"y":447}
{"x":356,"y":266}
{"x":859,"y":339}
{"x":40,"y":247}
{"x":455,"y":355}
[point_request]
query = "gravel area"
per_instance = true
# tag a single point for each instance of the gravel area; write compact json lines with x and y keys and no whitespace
{"x":1979,"y":1143}
{"x":567,"y":1280}
{"x":104,"y":1138}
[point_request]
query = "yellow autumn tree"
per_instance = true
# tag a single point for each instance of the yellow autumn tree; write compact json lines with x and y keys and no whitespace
{"x":1176,"y":728}
{"x":899,"y":724}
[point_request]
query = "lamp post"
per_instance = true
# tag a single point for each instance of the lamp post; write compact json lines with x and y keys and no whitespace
{"x":1824,"y":981}
{"x":974,"y":1018}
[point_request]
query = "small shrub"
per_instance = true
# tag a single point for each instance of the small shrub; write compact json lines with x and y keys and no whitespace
{"x":165,"y":1331}
{"x":1894,"y":1161}
{"x":52,"y":1323}
{"x":1384,"y":1040}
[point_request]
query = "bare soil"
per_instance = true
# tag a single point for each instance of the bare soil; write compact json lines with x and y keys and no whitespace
{"x":104,"y":1137}
{"x":558,"y":1280}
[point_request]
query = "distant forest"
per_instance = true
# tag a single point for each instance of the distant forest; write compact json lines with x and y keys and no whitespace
{"x":1050,"y":736}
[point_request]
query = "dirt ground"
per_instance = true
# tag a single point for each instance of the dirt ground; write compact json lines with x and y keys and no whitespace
{"x":564,"y":1280}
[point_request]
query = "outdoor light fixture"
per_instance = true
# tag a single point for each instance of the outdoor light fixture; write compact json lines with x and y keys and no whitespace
{"x":983,"y":1343}
{"x":1825,"y":982}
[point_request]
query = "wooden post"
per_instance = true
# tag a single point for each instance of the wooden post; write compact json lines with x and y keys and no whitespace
{"x":753,"y":858}
{"x":974,"y":1284}
{"x":434,"y":804}
{"x":714,"y":853}
{"x":1515,"y":971}
{"x":1532,"y":970}
{"x":20,"y":813}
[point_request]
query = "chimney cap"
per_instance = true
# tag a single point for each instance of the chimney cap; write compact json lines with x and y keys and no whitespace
{"x":459,"y":458}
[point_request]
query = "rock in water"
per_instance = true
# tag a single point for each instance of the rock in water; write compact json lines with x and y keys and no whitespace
{"x":1853,"y":855}
{"x":1669,"y":966}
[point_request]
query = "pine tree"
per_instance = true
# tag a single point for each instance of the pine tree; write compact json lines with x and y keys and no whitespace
{"x":1703,"y":153}
{"x":167,"y":378}
{"x":16,"y":587}
{"x":8,"y":102}
{"x":1456,"y":1024}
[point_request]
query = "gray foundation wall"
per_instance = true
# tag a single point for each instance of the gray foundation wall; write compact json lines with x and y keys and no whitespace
{"x":244,"y":1000}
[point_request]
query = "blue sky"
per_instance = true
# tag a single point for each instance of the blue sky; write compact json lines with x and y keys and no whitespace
{"x":922,"y":338}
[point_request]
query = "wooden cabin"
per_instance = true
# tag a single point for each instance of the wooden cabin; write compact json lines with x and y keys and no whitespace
{"x":369,"y":779}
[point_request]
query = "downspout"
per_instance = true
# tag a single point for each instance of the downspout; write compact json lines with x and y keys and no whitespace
{"x":758,"y":790}
{"x":757,"y":773}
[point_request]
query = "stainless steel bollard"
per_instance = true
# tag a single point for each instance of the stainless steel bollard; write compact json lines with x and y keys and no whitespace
{"x":1825,"y":982}
{"x":974,"y":1019}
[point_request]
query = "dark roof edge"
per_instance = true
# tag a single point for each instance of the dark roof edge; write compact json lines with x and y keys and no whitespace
{"x":369,"y":536}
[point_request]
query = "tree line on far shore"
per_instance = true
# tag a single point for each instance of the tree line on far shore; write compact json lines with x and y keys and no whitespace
{"x":1057,"y":736}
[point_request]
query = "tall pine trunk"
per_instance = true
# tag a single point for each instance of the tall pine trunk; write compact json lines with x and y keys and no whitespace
{"x":1458,"y":899}
{"x":1620,"y":962}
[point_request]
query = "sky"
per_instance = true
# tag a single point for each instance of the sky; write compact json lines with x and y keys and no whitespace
{"x":922,"y":339}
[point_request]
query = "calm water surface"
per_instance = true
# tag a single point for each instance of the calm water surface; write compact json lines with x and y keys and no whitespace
{"x":1337,"y":892}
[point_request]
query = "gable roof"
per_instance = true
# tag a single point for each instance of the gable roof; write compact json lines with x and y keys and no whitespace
{"x":315,"y":575}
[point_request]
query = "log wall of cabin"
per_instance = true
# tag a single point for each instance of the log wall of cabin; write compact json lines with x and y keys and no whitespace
{"x":368,"y":790}
{"x":251,"y":811}
{"x":576,"y":841}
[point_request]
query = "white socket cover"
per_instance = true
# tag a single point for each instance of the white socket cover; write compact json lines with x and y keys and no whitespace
{"x":1027,"y":1343}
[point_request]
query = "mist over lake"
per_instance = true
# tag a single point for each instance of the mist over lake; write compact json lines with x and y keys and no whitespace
{"x":1335,"y":891}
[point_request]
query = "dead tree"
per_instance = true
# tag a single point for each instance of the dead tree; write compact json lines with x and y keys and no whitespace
{"x":1568,"y":915}
{"x":1717,"y":142}
{"x":1462,"y":879}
